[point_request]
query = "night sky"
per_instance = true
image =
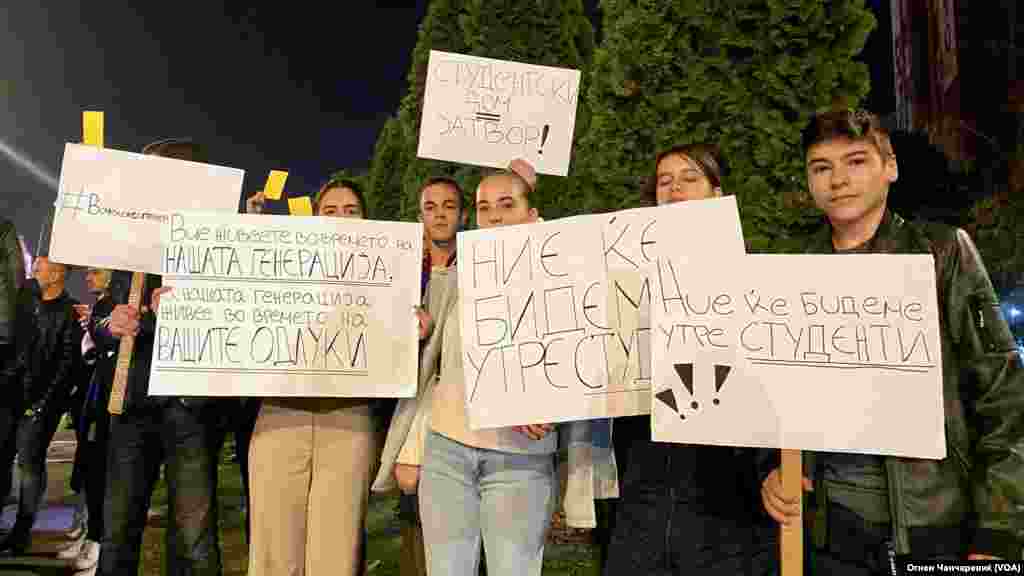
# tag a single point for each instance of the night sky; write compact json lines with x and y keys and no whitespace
{"x":263,"y":88}
{"x":304,"y":90}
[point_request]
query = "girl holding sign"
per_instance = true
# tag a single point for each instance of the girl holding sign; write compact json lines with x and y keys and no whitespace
{"x":687,"y":509}
{"x":495,"y":483}
{"x":309,"y":465}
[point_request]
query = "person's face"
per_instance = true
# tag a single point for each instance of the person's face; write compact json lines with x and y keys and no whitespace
{"x":501,"y":201}
{"x":96,"y":281}
{"x":849,"y":179}
{"x":681,"y":179}
{"x":45,"y":272}
{"x":340,"y":202}
{"x":439,"y":210}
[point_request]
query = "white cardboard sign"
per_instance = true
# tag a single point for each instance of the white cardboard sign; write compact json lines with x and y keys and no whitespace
{"x":631,"y":244}
{"x":268,"y":305}
{"x":836,"y":353}
{"x":489,"y":112}
{"x":111,"y":205}
{"x":553,"y":314}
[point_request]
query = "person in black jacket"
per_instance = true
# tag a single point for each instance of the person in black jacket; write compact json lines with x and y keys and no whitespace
{"x":12,"y":278}
{"x":687,"y":509}
{"x":44,"y":370}
{"x":153,"y":430}
{"x":93,"y":427}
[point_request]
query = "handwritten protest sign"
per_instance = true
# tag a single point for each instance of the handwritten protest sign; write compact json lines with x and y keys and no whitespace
{"x":111,"y":204}
{"x":630,"y":245}
{"x":287,"y":306}
{"x":554,"y":323}
{"x":534,"y":322}
{"x":836,"y":353}
{"x":489,"y":112}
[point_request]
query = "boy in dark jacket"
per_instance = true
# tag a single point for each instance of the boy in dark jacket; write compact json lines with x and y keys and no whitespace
{"x":969,"y":505}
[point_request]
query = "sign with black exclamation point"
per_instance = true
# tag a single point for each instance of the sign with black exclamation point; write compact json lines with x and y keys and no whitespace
{"x":721,"y":373}
{"x":543,"y":139}
{"x":685,"y":371}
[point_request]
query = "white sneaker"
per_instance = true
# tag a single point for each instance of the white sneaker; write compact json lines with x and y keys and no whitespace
{"x":89,"y":556}
{"x":72,"y":550}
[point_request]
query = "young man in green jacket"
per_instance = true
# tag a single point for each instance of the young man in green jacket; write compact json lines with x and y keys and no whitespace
{"x":870,"y":509}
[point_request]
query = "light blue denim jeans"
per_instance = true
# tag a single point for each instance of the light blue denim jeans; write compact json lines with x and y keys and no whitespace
{"x":466,"y":493}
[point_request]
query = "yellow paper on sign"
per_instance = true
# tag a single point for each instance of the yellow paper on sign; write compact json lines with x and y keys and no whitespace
{"x":300,"y":206}
{"x":275,"y":185}
{"x":92,"y":129}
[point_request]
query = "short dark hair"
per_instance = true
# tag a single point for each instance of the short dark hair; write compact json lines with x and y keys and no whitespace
{"x":445,"y":180}
{"x":177,"y":148}
{"x":708,"y":158}
{"x":860,"y":125}
{"x":340,"y":183}
{"x":527,"y":189}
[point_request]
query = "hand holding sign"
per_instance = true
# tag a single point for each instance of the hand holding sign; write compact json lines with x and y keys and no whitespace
{"x":255,"y":204}
{"x":780,"y":506}
{"x":154,"y":302}
{"x":124,"y":321}
{"x":526,"y":170}
{"x":534,"y":431}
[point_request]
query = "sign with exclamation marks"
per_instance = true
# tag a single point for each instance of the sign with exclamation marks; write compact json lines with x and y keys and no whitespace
{"x":685,"y":371}
{"x":721,"y":373}
{"x":489,"y":112}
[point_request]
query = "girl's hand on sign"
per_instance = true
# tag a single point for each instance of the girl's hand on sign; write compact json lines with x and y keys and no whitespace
{"x":254,"y":204}
{"x":154,"y":301}
{"x":782,"y":508}
{"x":526,"y":170}
{"x":424,"y":318}
{"x":408,"y":477}
{"x":535,"y":431}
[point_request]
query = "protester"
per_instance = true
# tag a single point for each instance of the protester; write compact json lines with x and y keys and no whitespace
{"x":310,"y":465}
{"x":12,"y":279}
{"x":155,"y":430}
{"x":868,"y":509}
{"x":687,"y":509}
{"x":441,"y":211}
{"x":238,"y":416}
{"x":94,"y":425}
{"x":81,"y":379}
{"x":470,"y":480}
{"x":44,"y":374}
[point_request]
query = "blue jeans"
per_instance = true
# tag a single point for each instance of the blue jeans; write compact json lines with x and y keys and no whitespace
{"x":34,"y":436}
{"x":140,"y":441}
{"x":466,"y":493}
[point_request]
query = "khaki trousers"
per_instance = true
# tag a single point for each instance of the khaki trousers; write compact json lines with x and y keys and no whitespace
{"x":310,"y":462}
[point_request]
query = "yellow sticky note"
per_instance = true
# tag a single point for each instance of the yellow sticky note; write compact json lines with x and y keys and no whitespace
{"x":92,"y":128}
{"x":300,"y":206}
{"x":275,"y":184}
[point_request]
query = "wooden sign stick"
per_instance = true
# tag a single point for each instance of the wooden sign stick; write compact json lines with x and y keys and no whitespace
{"x":791,"y":538}
{"x":92,"y":135}
{"x":125,"y":350}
